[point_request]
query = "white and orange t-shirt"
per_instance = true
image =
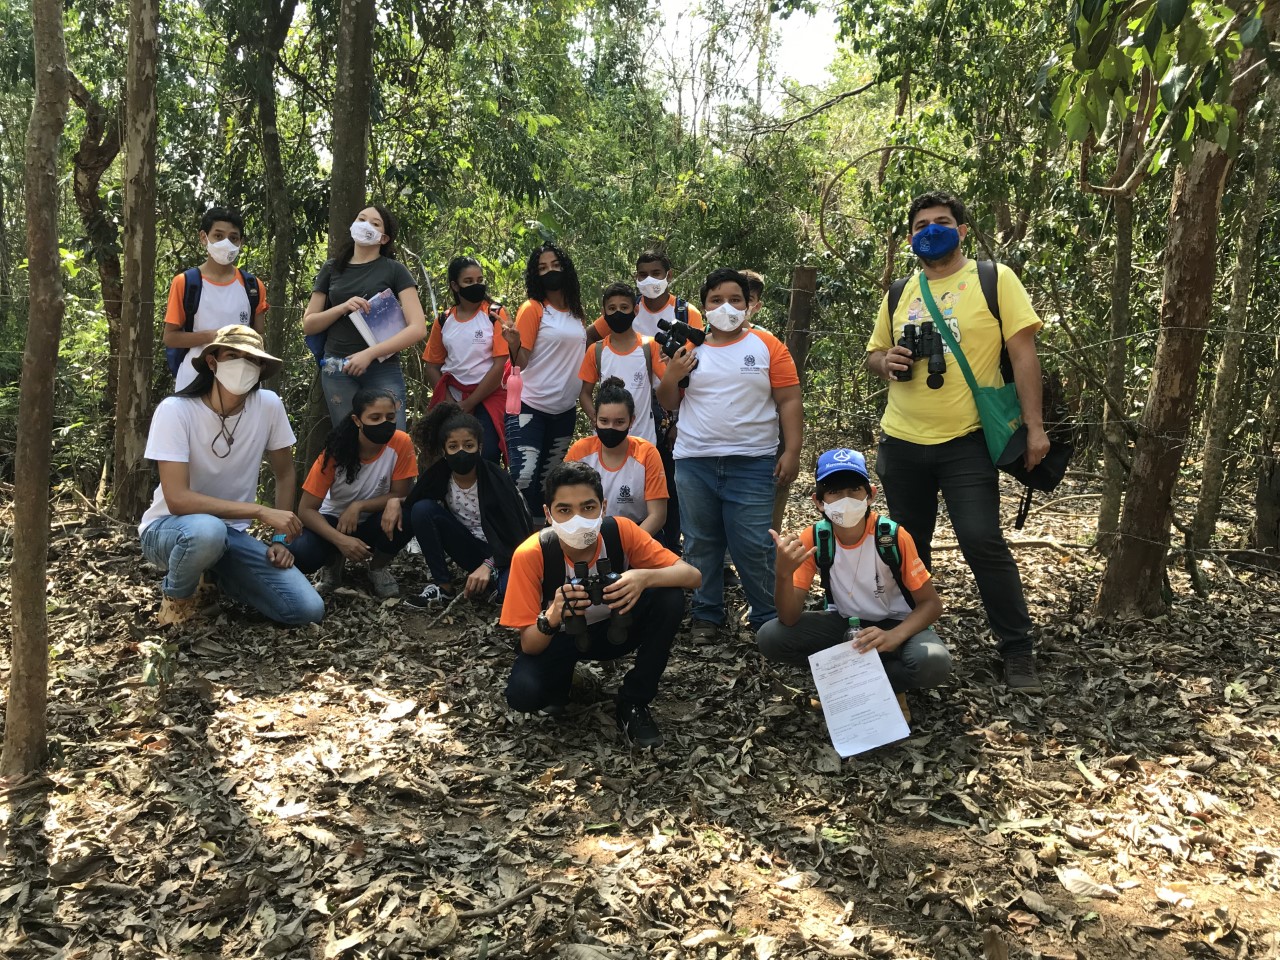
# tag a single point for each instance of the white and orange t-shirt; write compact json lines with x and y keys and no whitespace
{"x":628,"y":488}
{"x":632,"y":369}
{"x":466,"y":349}
{"x":555,"y":340}
{"x":862,"y":585}
{"x":395,"y":461}
{"x":646,"y":322}
{"x":728,"y":409}
{"x":221,"y":304}
{"x":523,"y":601}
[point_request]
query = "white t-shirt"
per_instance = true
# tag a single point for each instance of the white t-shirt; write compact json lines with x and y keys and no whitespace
{"x":464,"y":503}
{"x":728,"y":409}
{"x":640,"y":478}
{"x":559,"y":339}
{"x":395,"y":461}
{"x":469,"y":344}
{"x":220,"y":304}
{"x":633,"y":370}
{"x":185,"y":430}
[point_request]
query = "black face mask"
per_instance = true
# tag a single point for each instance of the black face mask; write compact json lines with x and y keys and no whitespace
{"x":476,"y":293}
{"x":462,"y":461}
{"x":379,"y":433}
{"x":553,"y":280}
{"x":619,"y":322}
{"x":610,"y":437}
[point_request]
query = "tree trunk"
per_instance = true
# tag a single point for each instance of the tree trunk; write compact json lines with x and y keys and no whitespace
{"x":134,"y":360}
{"x":1117,"y":377}
{"x":351,"y":97}
{"x":6,"y":284}
{"x":1266,"y":501}
{"x":99,"y":147}
{"x":799,"y":337}
{"x":1222,"y":404}
{"x":279,"y":214}
{"x":24,"y":729}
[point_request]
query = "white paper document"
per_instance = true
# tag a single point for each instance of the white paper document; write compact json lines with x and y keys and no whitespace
{"x":858,"y":702}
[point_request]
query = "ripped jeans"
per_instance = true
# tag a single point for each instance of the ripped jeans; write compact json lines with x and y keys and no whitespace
{"x":536,"y":442}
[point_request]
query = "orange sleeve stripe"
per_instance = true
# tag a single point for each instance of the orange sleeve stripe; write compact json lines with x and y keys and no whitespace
{"x":263,"y":306}
{"x":500,"y":346}
{"x":589,"y":373}
{"x":643,"y":552}
{"x":528,"y":321}
{"x":580,"y":449}
{"x":523,"y":600}
{"x":173,"y":313}
{"x":655,"y":478}
{"x":914,"y":573}
{"x":802,"y":579}
{"x":406,"y":459}
{"x":320,"y":479}
{"x":435,"y":351}
{"x":601,"y":326}
{"x":782,"y":367}
{"x":695,"y":317}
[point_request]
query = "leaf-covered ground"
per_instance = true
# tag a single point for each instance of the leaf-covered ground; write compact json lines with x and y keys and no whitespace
{"x":359,"y":789}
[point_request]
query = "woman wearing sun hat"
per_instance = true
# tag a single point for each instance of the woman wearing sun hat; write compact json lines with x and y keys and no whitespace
{"x":208,"y":441}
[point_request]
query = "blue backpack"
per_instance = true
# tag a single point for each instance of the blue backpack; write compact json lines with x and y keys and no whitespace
{"x":191,"y":303}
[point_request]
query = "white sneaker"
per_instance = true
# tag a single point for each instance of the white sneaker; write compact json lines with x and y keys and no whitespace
{"x":384,"y":584}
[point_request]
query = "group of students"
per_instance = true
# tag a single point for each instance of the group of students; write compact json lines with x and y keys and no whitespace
{"x":587,"y":545}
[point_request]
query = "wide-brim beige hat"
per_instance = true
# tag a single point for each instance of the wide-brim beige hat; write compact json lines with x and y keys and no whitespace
{"x":245,"y":339}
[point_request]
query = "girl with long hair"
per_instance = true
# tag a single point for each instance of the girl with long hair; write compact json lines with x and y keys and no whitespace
{"x":366,"y":461}
{"x":362,"y":267}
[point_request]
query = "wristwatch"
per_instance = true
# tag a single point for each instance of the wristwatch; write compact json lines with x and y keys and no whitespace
{"x":279,"y":538}
{"x":544,"y":625}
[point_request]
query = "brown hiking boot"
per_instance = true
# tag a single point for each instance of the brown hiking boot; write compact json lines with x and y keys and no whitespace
{"x":174,"y":611}
{"x":1020,"y":673}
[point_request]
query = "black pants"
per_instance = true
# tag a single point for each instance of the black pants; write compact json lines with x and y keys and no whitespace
{"x":543,"y":679}
{"x":913,"y":474}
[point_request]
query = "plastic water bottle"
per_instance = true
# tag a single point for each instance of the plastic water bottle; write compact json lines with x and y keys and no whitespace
{"x":333,"y":365}
{"x":854,"y":628}
{"x":515,"y":386}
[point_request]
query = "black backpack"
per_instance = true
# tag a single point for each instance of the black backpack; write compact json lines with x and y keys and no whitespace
{"x":191,"y":303}
{"x":553,"y":556}
{"x":886,"y":533}
{"x":682,"y":308}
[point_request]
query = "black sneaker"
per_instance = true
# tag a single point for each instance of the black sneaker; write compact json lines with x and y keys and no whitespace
{"x":431,"y":597}
{"x":636,"y":721}
{"x":1020,"y":673}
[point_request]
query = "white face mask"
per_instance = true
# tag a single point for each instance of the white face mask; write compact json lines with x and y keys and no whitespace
{"x":579,"y":532}
{"x":223,"y":252}
{"x":237,"y":376}
{"x":726,"y":318}
{"x":366,"y":234}
{"x":652,"y":287}
{"x":845,"y":512}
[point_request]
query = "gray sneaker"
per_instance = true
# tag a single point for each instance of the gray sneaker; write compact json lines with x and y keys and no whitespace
{"x":384,"y":584}
{"x":1020,"y":673}
{"x":330,"y":577}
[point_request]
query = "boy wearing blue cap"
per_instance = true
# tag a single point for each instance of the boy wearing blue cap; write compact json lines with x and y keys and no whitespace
{"x":873,"y":579}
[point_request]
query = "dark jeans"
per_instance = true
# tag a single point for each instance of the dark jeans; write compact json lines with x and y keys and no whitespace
{"x":442,"y":536}
{"x":490,"y":449}
{"x":536,"y":442}
{"x":913,"y":474}
{"x":543,"y":679}
{"x":312,"y":551}
{"x":669,"y":536}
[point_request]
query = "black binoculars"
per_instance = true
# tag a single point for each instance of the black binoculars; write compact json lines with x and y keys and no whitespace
{"x":674,"y":334}
{"x":575,"y":623}
{"x":924,"y":341}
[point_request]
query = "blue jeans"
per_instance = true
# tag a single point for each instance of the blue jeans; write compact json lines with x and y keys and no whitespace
{"x":188,"y":547}
{"x":728,"y":502}
{"x":312,"y":551}
{"x":441,"y":535}
{"x":340,"y":389}
{"x":913,"y":474}
{"x":536,"y":442}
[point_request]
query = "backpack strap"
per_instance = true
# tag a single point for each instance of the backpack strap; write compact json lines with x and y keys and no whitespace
{"x":824,"y":539}
{"x":895,"y":297}
{"x":682,"y":310}
{"x":989,"y":281}
{"x":253,"y":292}
{"x":553,"y":556}
{"x":891,"y":553}
{"x":191,"y":297}
{"x":613,"y":544}
{"x":598,"y":347}
{"x":646,"y":344}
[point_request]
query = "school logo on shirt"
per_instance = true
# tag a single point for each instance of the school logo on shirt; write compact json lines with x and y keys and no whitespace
{"x":624,"y":494}
{"x":479,"y":334}
{"x":244,"y":318}
{"x":749,"y":364}
{"x":637,"y":378}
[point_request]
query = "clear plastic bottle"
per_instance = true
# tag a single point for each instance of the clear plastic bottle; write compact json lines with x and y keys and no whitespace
{"x":515,"y":386}
{"x":852,"y":631}
{"x":333,"y":365}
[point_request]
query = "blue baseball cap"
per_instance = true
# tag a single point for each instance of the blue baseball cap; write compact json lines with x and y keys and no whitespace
{"x":841,"y":461}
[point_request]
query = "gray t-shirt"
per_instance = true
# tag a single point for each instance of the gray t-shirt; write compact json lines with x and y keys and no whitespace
{"x":358,"y":280}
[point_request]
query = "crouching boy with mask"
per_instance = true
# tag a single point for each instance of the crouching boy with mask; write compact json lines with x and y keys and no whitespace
{"x":591,"y":587}
{"x":870,"y":573}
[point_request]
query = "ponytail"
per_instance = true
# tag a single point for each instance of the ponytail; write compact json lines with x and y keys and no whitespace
{"x":434,"y":429}
{"x":343,"y":445}
{"x":613,"y":390}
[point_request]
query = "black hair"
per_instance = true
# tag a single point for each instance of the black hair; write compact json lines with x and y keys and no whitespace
{"x":618,"y":289}
{"x":571,"y":473}
{"x":654,"y":255}
{"x":613,"y":390}
{"x":456,"y":266}
{"x":937,"y":198}
{"x":572,"y":289}
{"x":724,"y":275}
{"x":343,"y":445}
{"x":203,"y":383}
{"x":432,"y":431}
{"x":347,"y":246}
{"x":755,"y":284}
{"x":844,"y":480}
{"x":225,"y":214}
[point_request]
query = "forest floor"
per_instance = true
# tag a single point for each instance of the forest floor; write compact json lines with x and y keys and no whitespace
{"x":360,"y":789}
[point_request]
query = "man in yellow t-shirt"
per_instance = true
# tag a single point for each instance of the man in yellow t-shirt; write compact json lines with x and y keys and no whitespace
{"x":931,"y":437}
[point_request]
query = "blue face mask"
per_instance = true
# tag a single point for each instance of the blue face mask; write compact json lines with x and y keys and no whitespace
{"x":935,"y":241}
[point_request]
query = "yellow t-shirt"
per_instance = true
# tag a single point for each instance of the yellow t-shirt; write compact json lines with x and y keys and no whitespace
{"x":918,"y":414}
